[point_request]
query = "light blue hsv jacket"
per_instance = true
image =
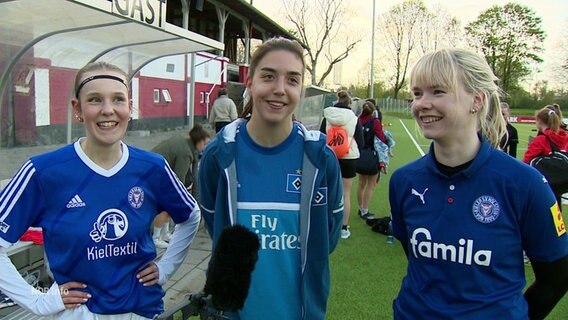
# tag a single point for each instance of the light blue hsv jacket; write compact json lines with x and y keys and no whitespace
{"x":320,"y":225}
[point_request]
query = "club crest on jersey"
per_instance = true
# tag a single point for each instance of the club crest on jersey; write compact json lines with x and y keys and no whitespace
{"x":320,"y":197}
{"x":136,"y":197}
{"x":4,"y":226}
{"x":111,"y":224}
{"x":293,"y":183}
{"x":486,"y":209}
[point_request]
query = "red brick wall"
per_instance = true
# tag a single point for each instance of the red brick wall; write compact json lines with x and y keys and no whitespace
{"x":61,"y":90}
{"x":149,"y":109}
{"x":201,"y":108}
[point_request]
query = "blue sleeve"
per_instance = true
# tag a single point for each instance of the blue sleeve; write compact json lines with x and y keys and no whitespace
{"x":21,"y":203}
{"x":335,"y":194}
{"x":208,"y":179}
{"x":174,"y":197}
{"x":543,"y":230}
{"x":398,"y":224}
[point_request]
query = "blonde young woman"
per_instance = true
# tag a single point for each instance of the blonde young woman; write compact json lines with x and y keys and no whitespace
{"x":95,"y":200}
{"x":465,"y":211}
{"x":281,"y":181}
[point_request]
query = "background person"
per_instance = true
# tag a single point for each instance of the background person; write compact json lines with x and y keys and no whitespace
{"x":549,"y":131}
{"x":281,"y":181}
{"x":340,"y":114}
{"x":465,"y":211}
{"x":95,"y":200}
{"x":182,"y":154}
{"x":509,"y":142}
{"x":368,"y":180}
{"x":223,"y":112}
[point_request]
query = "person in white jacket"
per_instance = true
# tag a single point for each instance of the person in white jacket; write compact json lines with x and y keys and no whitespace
{"x":340,"y":114}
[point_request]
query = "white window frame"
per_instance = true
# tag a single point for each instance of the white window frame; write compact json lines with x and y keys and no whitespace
{"x":166,"y":95}
{"x":156,"y":95}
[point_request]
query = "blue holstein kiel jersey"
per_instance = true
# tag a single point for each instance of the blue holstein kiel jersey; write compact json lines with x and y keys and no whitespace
{"x":466,"y":234}
{"x":96,"y":222}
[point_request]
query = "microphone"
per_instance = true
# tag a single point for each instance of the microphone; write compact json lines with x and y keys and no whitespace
{"x":230,"y":268}
{"x":228,"y":277}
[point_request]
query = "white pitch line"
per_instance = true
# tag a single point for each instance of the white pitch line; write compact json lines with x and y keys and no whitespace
{"x":412,"y":138}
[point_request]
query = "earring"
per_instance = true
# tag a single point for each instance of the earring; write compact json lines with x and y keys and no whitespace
{"x":473,"y":111}
{"x":79,"y":118}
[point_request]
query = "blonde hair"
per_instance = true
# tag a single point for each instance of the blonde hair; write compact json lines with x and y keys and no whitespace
{"x":273,"y":44}
{"x":98,"y":66}
{"x":550,"y":116}
{"x":447,"y":68}
{"x":343,"y":98}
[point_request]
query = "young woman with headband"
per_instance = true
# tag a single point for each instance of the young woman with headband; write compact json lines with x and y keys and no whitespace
{"x":95,"y":200}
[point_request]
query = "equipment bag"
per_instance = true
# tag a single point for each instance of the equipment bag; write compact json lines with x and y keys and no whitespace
{"x":554,"y":167}
{"x":368,"y":161}
{"x":338,"y":140}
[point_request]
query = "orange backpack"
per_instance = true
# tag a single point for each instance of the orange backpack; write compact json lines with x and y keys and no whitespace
{"x":338,"y":140}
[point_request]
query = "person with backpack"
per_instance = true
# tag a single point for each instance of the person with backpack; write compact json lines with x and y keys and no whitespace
{"x":368,"y":174}
{"x":344,"y":136}
{"x":550,"y":135}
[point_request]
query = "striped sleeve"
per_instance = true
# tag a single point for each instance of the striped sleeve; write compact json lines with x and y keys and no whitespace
{"x":174,"y":197}
{"x":21,"y":202}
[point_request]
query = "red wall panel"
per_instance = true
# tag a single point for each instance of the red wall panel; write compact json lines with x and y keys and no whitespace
{"x":149,"y":109}
{"x":61,"y":90}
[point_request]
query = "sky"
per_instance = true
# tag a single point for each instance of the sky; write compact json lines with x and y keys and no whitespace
{"x":554,"y":14}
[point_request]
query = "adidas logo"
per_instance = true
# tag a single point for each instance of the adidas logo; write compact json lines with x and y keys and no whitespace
{"x":75,"y":202}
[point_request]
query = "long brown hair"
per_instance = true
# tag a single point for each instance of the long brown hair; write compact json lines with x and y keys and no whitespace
{"x":270,"y":45}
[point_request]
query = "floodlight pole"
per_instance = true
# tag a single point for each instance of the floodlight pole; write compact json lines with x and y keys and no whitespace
{"x":372,"y":89}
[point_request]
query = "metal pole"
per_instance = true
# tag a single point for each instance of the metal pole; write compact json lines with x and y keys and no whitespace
{"x":372,"y":89}
{"x":191,"y":105}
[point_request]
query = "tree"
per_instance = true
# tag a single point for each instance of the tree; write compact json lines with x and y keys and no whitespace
{"x":561,"y":65}
{"x":510,"y":38}
{"x":401,"y":33}
{"x":318,"y":25}
{"x":438,"y":29}
{"x":409,"y":30}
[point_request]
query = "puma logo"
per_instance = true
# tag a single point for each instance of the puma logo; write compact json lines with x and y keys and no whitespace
{"x":419,"y":195}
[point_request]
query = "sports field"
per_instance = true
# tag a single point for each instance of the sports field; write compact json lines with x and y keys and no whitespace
{"x":366,"y":271}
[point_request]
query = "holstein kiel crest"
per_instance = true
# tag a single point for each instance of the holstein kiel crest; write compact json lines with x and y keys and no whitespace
{"x":486,"y":209}
{"x":136,"y":197}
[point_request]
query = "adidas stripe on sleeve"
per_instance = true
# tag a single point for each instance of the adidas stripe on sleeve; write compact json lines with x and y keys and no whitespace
{"x":23,"y":186}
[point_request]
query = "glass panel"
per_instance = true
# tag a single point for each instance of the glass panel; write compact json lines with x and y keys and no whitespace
{"x":44,"y":43}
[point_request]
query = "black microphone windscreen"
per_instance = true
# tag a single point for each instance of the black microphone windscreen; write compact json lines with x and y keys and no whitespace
{"x":230,"y":268}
